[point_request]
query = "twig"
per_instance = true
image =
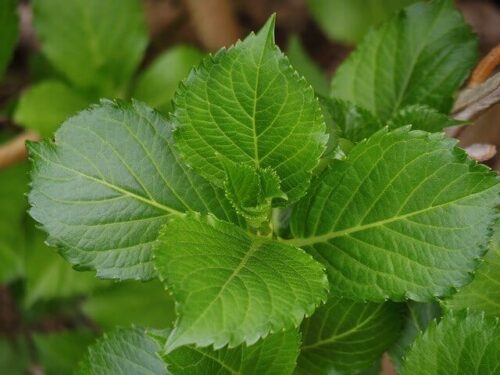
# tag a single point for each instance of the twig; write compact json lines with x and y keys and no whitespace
{"x":215,"y":22}
{"x":485,"y":67}
{"x":14,"y":150}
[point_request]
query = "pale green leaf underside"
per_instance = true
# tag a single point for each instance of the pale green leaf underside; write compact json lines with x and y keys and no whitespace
{"x":123,"y":352}
{"x":276,"y":354}
{"x":9,"y":22}
{"x":405,"y":215}
{"x":232,"y":287}
{"x":96,"y":44}
{"x":347,"y":337}
{"x":45,"y":105}
{"x":483,"y":293}
{"x":459,"y":344}
{"x":420,"y":56}
{"x":107,"y":184}
{"x":248,"y":105}
{"x":418,"y":317}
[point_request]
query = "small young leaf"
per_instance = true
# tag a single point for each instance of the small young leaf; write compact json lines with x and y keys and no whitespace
{"x":96,"y":44}
{"x":106,"y":185}
{"x":123,"y":352}
{"x":405,"y":215}
{"x":275,"y":354}
{"x":459,"y":344}
{"x":483,"y":293}
{"x":44,"y":106}
{"x":422,"y":117}
{"x":420,"y":56}
{"x":232,"y":287}
{"x":9,"y":24}
{"x":157,"y":84}
{"x":347,"y":337}
{"x":418,"y":317}
{"x":306,"y":66}
{"x":354,"y":122}
{"x":348,"y":20}
{"x":248,"y":105}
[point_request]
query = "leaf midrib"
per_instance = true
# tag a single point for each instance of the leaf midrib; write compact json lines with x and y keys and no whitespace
{"x":308,"y":241}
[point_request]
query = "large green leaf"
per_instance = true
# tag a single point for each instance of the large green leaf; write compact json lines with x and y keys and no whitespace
{"x":48,"y":276}
{"x":45,"y":105}
{"x":347,"y":337}
{"x":232,"y":287}
{"x":348,"y":20}
{"x":405,"y":215}
{"x":96,"y":44}
{"x":459,"y":344}
{"x":422,"y":117}
{"x":157,"y":84}
{"x":107,"y":184}
{"x":420,"y":56}
{"x":249,"y":105}
{"x":418,"y":317}
{"x":123,"y":352}
{"x":9,"y":23}
{"x":129,"y":302}
{"x":13,"y":186}
{"x":483,"y":293}
{"x":274,"y":355}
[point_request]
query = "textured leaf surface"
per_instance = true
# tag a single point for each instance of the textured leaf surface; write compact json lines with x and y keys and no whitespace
{"x":130,"y":302}
{"x":123,"y":352}
{"x":232,"y":287}
{"x":418,"y":317}
{"x":248,"y":105}
{"x":422,"y":117}
{"x":405,"y":215}
{"x":348,"y":20}
{"x":44,"y":106}
{"x":274,"y":355}
{"x":106,"y":185}
{"x":48,"y":276}
{"x":9,"y":22}
{"x":13,"y":186}
{"x":347,"y":337}
{"x":458,"y":345}
{"x":98,"y":46}
{"x":483,"y":293}
{"x":306,"y":66}
{"x":157,"y":84}
{"x":420,"y":56}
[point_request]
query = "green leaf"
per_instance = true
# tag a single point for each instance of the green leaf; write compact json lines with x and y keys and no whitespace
{"x":354,"y":122}
{"x":96,"y":44}
{"x":418,"y":317}
{"x":59,"y":351}
{"x":483,"y":293}
{"x":44,"y":106}
{"x":130,"y":302}
{"x":276,"y":354}
{"x":157,"y":84}
{"x":248,"y":105}
{"x":422,"y":117}
{"x":420,"y":56}
{"x":14,"y":356}
{"x":348,"y":20}
{"x":347,"y":337}
{"x":459,"y":344}
{"x":232,"y":287}
{"x":107,"y":184}
{"x":405,"y":215}
{"x":303,"y":63}
{"x":123,"y":352}
{"x":48,"y":276}
{"x":13,"y":186}
{"x":9,"y":28}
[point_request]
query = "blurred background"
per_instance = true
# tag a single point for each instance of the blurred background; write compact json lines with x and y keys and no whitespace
{"x":49,"y":70}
